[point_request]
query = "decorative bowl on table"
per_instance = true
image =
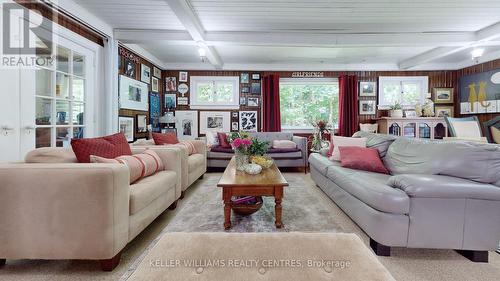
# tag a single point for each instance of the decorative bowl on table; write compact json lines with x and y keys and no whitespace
{"x":253,"y":169}
{"x":263,"y":161}
{"x":249,"y":205}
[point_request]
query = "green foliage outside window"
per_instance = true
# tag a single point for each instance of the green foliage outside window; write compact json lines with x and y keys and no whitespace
{"x":303,"y":104}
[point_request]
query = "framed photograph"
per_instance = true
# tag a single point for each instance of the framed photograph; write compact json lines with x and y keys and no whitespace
{"x":142,"y":123}
{"x":156,"y":72}
{"x":154,"y":112}
{"x":411,"y":113}
{"x":444,"y":110}
{"x":129,"y":68}
{"x":183,"y":89}
{"x":168,"y":130}
{"x":244,"y":78}
{"x":255,"y":89}
{"x":155,"y":85}
{"x":255,"y":76}
{"x":234,"y":114}
{"x":367,"y":89}
{"x":243,"y":101}
{"x":126,"y":126}
{"x":145,"y":73}
{"x":234,"y":126}
{"x":245,"y":89}
{"x":443,"y":95}
{"x":367,"y":107}
{"x":219,"y":121}
{"x":133,"y":94}
{"x":171,"y":84}
{"x":253,"y":101}
{"x":182,"y":101}
{"x":186,"y":123}
{"x":248,"y":121}
{"x":170,"y":101}
{"x":183,"y":76}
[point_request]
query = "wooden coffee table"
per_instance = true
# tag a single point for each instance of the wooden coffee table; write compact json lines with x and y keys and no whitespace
{"x":270,"y":182}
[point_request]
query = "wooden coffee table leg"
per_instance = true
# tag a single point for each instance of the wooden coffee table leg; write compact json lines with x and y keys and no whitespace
{"x":278,"y":196}
{"x":226,"y":193}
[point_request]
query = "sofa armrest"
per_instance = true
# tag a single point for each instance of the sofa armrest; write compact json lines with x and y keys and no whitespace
{"x":173,"y":158}
{"x":63,"y":211}
{"x":302,"y":145}
{"x":437,"y":186}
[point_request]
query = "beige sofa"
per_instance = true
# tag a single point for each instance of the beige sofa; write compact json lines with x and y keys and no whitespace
{"x":193,"y":166}
{"x":70,"y":210}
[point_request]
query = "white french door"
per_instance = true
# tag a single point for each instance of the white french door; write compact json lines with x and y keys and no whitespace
{"x":48,"y":104}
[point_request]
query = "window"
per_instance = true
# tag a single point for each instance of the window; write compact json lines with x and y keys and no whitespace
{"x":304,"y":101}
{"x":218,"y":92}
{"x":406,"y":90}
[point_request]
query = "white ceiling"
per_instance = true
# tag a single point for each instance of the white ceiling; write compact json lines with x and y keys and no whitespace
{"x":301,"y":34}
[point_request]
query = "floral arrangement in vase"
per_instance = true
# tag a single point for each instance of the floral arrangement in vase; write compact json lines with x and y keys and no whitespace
{"x":320,"y":127}
{"x":246,"y":147}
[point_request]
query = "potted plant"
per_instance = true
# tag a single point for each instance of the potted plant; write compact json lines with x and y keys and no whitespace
{"x":396,"y":110}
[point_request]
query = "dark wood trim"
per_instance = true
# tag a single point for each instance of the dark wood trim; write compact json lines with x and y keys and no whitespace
{"x":380,"y":249}
{"x":173,"y":206}
{"x":112,"y":263}
{"x":475,"y":256}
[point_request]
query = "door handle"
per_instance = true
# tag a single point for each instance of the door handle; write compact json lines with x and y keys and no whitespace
{"x":6,"y":129}
{"x":29,"y":128}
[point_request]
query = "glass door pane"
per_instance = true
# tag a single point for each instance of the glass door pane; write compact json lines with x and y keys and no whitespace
{"x":43,"y":81}
{"x":424,"y":131}
{"x":78,"y":64}
{"x":62,"y":112}
{"x":410,"y":130}
{"x":43,"y":111}
{"x":43,"y":137}
{"x":62,"y":85}
{"x":62,"y":59}
{"x":63,"y":137}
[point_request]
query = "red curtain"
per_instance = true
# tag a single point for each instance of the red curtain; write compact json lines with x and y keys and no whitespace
{"x":271,"y":117}
{"x":348,"y":105}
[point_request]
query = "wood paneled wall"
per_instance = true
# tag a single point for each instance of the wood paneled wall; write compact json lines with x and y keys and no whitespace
{"x":123,"y":53}
{"x":167,"y":74}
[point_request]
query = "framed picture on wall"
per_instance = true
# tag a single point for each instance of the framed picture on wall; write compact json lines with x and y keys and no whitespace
{"x":155,"y":85}
{"x":186,"y":123}
{"x":171,"y":84}
{"x":234,"y":126}
{"x":443,"y":95}
{"x":234,"y":114}
{"x":133,"y":94}
{"x":248,"y":121}
{"x":243,"y":101}
{"x":154,"y":111}
{"x":142,"y":123}
{"x":444,"y":110}
{"x":183,"y":76}
{"x":367,"y":107}
{"x":170,"y":101}
{"x":244,"y":78}
{"x":126,"y":126}
{"x":219,"y":121}
{"x":367,"y":89}
{"x":156,"y":72}
{"x":145,"y":73}
{"x":255,"y":76}
{"x":253,"y":102}
{"x":129,"y":68}
{"x":245,"y":89}
{"x":255,"y":89}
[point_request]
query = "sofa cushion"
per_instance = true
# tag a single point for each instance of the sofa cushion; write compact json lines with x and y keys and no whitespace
{"x":469,"y":160}
{"x":286,"y":144}
{"x":436,"y":186}
{"x":345,"y":141}
{"x":108,"y":147}
{"x":146,"y":190}
{"x":223,"y":142}
{"x":51,"y":155}
{"x":151,"y":161}
{"x":379,"y":141}
{"x":195,"y":161}
{"x":282,"y":150}
{"x":167,"y":138}
{"x":285,"y":155}
{"x":271,"y":136}
{"x":134,"y":165}
{"x":143,"y":142}
{"x":361,"y":158}
{"x":221,"y":149}
{"x":321,"y":163}
{"x":371,"y":188}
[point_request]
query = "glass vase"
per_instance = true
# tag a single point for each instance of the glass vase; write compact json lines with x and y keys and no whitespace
{"x":241,"y":161}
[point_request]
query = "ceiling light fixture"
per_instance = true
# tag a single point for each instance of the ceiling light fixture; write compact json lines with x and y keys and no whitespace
{"x":203,"y":54}
{"x":476,"y":54}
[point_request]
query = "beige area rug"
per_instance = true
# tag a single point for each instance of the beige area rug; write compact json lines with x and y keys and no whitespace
{"x":260,"y":256}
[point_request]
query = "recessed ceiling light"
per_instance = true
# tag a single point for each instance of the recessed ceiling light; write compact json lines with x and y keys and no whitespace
{"x":477,"y":53}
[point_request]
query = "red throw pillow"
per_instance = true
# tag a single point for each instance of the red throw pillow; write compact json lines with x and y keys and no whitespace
{"x":168,"y":138}
{"x":108,"y":147}
{"x":361,"y":158}
{"x":223,"y":140}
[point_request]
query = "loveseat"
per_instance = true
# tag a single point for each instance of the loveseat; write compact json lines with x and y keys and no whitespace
{"x":442,"y":195}
{"x":296,"y":157}
{"x":55,"y":208}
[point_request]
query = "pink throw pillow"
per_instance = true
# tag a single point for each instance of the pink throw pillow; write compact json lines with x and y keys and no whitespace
{"x":223,"y":140}
{"x":361,"y":158}
{"x":134,"y":165}
{"x":345,"y":141}
{"x":151,"y":162}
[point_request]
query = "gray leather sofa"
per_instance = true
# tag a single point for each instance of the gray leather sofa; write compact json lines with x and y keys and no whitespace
{"x":442,"y":195}
{"x":286,"y":158}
